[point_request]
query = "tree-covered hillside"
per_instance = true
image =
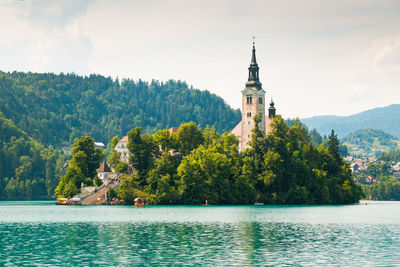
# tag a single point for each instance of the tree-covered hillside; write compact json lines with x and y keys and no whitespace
{"x":27,"y":169}
{"x":370,"y":142}
{"x":385,"y":119}
{"x":56,"y":109}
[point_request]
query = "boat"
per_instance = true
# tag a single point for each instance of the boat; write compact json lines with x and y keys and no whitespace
{"x":62,"y":201}
{"x":139,"y":202}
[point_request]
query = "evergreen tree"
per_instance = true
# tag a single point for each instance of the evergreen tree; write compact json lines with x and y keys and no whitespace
{"x":334,"y":146}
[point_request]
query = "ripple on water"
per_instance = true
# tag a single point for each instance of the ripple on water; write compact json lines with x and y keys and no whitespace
{"x":195,"y":236}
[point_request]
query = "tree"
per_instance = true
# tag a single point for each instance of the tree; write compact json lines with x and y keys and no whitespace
{"x":165,"y":140}
{"x":86,"y":159}
{"x":143,"y":151}
{"x":86,"y":156}
{"x":189,"y":137}
{"x":115,"y":158}
{"x":70,"y":183}
{"x":205,"y":175}
{"x":334,"y":147}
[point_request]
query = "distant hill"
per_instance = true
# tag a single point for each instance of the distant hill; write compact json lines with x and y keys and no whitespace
{"x":27,"y":169}
{"x":370,"y":142}
{"x":56,"y":109}
{"x":386,"y":119}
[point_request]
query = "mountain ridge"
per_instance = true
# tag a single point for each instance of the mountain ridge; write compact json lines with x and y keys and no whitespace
{"x":383,"y":118}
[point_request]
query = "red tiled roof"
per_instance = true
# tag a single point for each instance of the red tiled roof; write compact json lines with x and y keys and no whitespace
{"x":104,"y":168}
{"x":124,"y":139}
{"x":173,"y":129}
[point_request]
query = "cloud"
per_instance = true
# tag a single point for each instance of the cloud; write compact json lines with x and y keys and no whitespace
{"x":54,"y":14}
{"x":315,"y":57}
{"x":46,"y":36}
{"x":386,"y":53}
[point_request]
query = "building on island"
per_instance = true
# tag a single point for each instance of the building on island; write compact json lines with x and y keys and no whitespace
{"x":253,"y":103}
{"x":104,"y":172}
{"x":99,"y":145}
{"x":122,"y":146}
{"x":122,"y":149}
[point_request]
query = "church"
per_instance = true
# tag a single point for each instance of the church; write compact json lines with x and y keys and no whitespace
{"x":253,"y":103}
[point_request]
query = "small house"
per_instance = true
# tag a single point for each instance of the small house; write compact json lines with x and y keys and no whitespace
{"x":104,"y":172}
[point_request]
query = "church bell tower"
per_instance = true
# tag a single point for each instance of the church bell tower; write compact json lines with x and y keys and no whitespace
{"x":253,"y":102}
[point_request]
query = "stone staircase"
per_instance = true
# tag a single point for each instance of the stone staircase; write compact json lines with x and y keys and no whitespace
{"x":92,"y":199}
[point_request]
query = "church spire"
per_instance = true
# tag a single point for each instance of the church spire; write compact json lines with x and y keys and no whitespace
{"x":253,"y":80}
{"x":253,"y":55}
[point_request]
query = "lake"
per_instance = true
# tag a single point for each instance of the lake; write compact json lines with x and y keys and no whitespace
{"x":41,"y":233}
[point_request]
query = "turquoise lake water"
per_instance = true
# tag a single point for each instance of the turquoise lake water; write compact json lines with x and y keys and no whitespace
{"x":41,"y":233}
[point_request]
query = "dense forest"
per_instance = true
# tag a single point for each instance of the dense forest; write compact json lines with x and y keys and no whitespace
{"x":194,"y":165}
{"x":57,"y":109}
{"x":386,"y":190}
{"x":28,"y":170}
{"x":39,"y":112}
{"x":390,"y":156}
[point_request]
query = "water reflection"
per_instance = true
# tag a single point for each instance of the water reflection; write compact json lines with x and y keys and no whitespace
{"x":241,"y":236}
{"x":245,"y":243}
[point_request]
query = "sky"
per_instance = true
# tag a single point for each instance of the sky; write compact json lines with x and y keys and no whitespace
{"x":315,"y":57}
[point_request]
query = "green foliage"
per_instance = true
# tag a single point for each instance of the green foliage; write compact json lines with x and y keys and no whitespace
{"x":189,"y":137}
{"x":162,"y":181}
{"x":121,"y":167}
{"x":114,"y":160}
{"x":142,"y":150}
{"x":57,"y":109}
{"x":334,"y":146}
{"x":127,"y":189}
{"x":283,"y":167}
{"x":70,"y":183}
{"x":316,"y":138}
{"x":293,"y":171}
{"x":165,"y":140}
{"x":111,"y":193}
{"x":390,"y":156}
{"x":27,"y":169}
{"x":86,"y":159}
{"x":86,"y":156}
{"x":386,"y":190}
{"x":379,"y":169}
{"x":97,"y":181}
{"x":370,"y":142}
{"x":205,"y":175}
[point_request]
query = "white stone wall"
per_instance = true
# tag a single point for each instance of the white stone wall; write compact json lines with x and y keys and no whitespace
{"x":122,"y":148}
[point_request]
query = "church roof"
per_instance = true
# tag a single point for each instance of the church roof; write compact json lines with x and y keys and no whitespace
{"x":253,"y":55}
{"x":237,"y":131}
{"x":104,"y":168}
